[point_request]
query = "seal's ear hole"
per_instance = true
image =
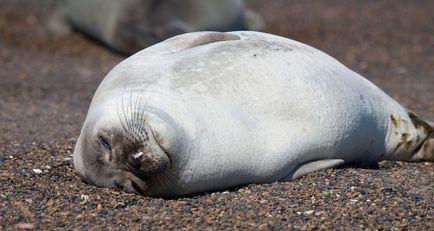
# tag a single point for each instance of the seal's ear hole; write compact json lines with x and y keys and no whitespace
{"x":104,"y":142}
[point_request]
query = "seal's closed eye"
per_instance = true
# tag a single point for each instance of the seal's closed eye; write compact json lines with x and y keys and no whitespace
{"x":104,"y":141}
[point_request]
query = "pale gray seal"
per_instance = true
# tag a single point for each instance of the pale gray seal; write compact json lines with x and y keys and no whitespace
{"x":131,"y":25}
{"x":207,"y":111}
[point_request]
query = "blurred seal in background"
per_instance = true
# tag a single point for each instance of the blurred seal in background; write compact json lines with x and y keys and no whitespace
{"x":130,"y":25}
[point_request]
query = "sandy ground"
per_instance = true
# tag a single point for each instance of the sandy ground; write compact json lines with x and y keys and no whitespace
{"x":46,"y":85}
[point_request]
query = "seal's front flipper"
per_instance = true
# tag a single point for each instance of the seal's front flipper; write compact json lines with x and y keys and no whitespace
{"x":312,"y":166}
{"x":191,"y":40}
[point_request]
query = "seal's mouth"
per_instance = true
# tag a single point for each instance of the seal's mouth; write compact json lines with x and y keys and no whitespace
{"x":128,"y":182}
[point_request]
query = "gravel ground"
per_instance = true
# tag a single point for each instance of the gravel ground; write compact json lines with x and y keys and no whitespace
{"x":47,"y":83}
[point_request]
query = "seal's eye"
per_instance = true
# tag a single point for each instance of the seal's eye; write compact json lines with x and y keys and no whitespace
{"x":103,"y":140}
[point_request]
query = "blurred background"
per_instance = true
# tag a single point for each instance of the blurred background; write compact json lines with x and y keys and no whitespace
{"x":389,"y":42}
{"x":47,"y":81}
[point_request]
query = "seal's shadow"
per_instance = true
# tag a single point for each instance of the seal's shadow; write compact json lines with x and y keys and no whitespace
{"x":369,"y":166}
{"x":366,"y":165}
{"x":203,"y":194}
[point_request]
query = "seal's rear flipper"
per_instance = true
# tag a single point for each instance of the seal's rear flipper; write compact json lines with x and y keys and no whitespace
{"x":309,"y":167}
{"x":426,"y":150}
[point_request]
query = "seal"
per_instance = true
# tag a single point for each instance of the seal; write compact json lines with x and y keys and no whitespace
{"x":130,"y":25}
{"x":207,"y":111}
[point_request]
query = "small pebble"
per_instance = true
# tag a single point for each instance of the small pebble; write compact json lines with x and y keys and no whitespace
{"x":26,"y":226}
{"x":37,"y":170}
{"x":67,"y":159}
{"x":309,"y":212}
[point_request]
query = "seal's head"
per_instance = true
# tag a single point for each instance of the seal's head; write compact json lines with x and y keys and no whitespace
{"x":119,"y":151}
